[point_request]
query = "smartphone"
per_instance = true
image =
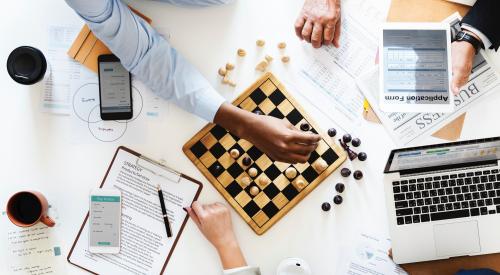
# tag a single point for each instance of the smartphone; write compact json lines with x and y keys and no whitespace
{"x":105,"y":221}
{"x":115,"y":89}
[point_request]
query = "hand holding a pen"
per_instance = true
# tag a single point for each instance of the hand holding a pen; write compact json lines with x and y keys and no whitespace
{"x":214,"y":222}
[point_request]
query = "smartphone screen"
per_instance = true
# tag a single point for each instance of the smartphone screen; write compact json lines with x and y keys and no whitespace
{"x":105,"y":219}
{"x":115,"y":89}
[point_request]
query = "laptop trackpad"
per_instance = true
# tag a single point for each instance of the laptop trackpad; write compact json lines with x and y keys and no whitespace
{"x":455,"y":239}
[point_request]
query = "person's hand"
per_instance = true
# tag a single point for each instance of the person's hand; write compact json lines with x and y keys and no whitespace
{"x":462,"y":56}
{"x":280,"y":140}
{"x":214,"y":222}
{"x":277,"y":138}
{"x":319,"y":22}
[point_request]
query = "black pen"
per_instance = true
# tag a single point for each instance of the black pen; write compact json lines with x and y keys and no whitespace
{"x":164,"y":212}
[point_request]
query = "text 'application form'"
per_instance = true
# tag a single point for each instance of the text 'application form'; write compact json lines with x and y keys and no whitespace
{"x":416,"y":66}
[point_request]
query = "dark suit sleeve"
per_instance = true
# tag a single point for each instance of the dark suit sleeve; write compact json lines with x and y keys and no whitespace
{"x":484,"y":16}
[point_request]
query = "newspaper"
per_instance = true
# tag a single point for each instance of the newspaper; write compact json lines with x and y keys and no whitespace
{"x":407,"y":128}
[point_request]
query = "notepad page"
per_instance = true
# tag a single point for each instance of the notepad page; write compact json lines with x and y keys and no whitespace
{"x":144,"y":242}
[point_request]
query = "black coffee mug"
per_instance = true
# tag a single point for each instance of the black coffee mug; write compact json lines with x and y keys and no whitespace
{"x":26,"y":65}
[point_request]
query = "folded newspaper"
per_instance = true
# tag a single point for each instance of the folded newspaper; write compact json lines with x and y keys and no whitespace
{"x":407,"y":128}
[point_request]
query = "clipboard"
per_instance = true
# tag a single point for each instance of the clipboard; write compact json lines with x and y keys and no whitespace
{"x":145,"y":163}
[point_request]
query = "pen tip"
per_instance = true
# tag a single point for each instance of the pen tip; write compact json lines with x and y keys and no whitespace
{"x":158,"y":187}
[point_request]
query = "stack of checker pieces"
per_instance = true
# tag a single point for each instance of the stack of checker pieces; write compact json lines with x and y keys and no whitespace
{"x":209,"y":151}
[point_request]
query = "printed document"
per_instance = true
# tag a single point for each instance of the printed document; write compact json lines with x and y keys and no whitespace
{"x":407,"y":128}
{"x":332,"y":71}
{"x":145,"y":246}
{"x":61,"y":71}
{"x":415,"y":68}
{"x":369,"y":255}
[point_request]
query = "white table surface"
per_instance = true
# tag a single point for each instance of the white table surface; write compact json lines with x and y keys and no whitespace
{"x":37,"y":152}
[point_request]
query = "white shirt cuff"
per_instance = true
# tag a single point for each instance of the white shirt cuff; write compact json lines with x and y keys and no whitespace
{"x":207,"y":103}
{"x":484,"y":39}
{"x":245,"y":270}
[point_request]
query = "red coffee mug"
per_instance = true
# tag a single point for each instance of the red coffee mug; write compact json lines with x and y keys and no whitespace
{"x":26,"y":208}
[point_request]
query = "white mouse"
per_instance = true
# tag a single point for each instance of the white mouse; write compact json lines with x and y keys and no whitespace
{"x":293,"y":266}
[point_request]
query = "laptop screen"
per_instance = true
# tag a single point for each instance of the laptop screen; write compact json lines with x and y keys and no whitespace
{"x":444,"y":156}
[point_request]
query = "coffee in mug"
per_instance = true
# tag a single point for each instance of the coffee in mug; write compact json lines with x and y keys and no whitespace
{"x":27,"y":208}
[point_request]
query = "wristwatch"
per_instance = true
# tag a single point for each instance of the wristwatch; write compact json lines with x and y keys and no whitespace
{"x":476,"y":43}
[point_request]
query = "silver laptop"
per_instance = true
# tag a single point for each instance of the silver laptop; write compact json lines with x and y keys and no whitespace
{"x":443,"y":200}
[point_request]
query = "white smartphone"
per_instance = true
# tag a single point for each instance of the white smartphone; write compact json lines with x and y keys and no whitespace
{"x":105,"y":220}
{"x":415,"y":68}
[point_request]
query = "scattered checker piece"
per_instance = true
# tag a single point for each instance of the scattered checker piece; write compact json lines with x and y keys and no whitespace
{"x":345,"y":172}
{"x":260,"y":189}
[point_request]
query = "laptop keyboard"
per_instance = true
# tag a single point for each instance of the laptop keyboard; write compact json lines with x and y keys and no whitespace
{"x":447,"y":196}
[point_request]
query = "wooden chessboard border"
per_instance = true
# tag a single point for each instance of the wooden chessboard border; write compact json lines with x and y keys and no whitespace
{"x":304,"y":192}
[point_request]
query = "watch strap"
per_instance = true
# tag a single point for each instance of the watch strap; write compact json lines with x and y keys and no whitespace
{"x":476,"y":43}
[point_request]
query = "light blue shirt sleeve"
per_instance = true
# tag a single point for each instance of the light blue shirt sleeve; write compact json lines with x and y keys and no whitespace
{"x":148,"y":56}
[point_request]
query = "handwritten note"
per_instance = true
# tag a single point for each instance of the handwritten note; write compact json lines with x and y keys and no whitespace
{"x":31,"y":250}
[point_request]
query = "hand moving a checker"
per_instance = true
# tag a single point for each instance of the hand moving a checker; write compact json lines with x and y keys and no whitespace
{"x":319,"y":22}
{"x":275,"y":137}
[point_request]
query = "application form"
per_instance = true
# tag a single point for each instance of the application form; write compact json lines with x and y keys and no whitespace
{"x":415,"y":62}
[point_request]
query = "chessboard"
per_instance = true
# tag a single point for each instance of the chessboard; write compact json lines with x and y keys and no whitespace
{"x":210,"y":151}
